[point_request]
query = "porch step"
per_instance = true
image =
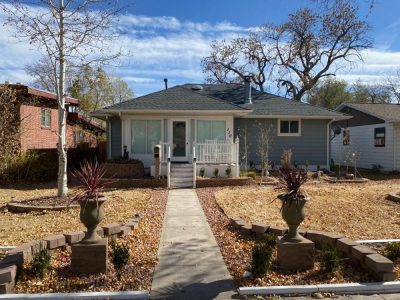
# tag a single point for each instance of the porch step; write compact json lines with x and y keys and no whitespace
{"x":181,"y":175}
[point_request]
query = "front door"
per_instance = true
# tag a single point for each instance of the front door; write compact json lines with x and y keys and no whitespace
{"x":179,"y":140}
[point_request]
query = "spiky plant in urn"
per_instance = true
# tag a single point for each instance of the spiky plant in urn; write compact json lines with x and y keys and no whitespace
{"x":293,"y":200}
{"x":90,"y":197}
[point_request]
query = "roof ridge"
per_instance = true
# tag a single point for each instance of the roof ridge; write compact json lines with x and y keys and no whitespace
{"x":214,"y":98}
{"x":138,"y":98}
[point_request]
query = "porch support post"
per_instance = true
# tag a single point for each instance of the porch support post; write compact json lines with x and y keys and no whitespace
{"x":169,"y":167}
{"x":237,"y":156}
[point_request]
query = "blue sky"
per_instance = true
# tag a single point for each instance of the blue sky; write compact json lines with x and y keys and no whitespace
{"x":169,"y":39}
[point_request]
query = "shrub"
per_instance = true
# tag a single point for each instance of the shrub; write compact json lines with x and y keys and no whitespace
{"x":392,"y":251}
{"x":40,"y":262}
{"x":228,"y":171}
{"x":202,"y":172}
{"x":90,"y":177}
{"x":330,"y":259}
{"x":252,"y":165}
{"x":216,"y":172}
{"x":292,"y":180}
{"x":268,"y":240}
{"x":119,"y":256}
{"x":261,"y":259}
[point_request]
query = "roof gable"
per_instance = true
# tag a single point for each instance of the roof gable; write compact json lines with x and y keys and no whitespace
{"x":385,"y":111}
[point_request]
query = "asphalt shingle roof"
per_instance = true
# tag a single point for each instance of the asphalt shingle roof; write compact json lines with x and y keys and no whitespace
{"x":222,"y":97}
{"x":389,"y":112}
{"x":175,"y":98}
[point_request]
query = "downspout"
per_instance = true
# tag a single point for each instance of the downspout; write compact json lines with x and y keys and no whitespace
{"x":328,"y":143}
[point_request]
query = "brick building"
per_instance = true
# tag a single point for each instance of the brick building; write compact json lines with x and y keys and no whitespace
{"x":38,"y":117}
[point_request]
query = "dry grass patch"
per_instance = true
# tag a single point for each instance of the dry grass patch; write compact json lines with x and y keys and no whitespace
{"x":16,"y":229}
{"x":359,"y":211}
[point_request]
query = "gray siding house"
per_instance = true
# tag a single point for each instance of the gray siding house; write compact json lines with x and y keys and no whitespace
{"x":216,"y":124}
{"x":372,"y":134}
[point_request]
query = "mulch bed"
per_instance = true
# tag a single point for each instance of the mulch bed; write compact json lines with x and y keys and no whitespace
{"x":137,"y":275}
{"x":236,"y":251}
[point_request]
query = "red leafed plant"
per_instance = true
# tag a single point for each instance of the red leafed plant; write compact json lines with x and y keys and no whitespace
{"x":90,"y":176}
{"x":292,"y":180}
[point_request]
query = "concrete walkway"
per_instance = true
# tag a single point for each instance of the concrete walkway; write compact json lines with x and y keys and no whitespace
{"x":190,"y":264}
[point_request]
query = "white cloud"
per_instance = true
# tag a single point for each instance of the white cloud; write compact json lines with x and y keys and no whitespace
{"x":165,"y":47}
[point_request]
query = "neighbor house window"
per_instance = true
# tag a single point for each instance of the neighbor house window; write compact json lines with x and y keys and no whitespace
{"x":145,"y":135}
{"x":379,"y":136}
{"x":289,"y":127}
{"x":211,"y":130}
{"x":45,"y":119}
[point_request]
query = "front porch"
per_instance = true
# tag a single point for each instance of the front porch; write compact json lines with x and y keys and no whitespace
{"x":210,"y":159}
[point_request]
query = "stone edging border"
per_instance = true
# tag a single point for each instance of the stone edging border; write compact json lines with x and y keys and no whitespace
{"x":15,"y":258}
{"x":368,"y":259}
{"x":345,"y":288}
{"x":22,"y":207}
{"x":394,"y":197}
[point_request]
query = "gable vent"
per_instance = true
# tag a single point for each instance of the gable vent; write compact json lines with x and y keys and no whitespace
{"x":197,"y":87}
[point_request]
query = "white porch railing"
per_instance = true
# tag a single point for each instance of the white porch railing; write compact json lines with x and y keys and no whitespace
{"x":217,"y":152}
{"x":165,"y":158}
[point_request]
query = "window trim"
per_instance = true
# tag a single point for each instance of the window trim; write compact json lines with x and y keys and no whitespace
{"x":44,"y":111}
{"x":289,"y":133}
{"x":384,"y":137}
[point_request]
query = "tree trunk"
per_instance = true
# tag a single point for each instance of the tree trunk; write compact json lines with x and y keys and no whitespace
{"x":62,"y":153}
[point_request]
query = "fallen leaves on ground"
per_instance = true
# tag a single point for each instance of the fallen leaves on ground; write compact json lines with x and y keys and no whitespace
{"x":18,"y":228}
{"x":236,"y":251}
{"x":137,"y":275}
{"x":357,"y":210}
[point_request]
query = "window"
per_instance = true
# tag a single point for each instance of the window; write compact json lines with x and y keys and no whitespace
{"x":346,"y":137}
{"x":379,"y":136}
{"x":289,"y":127}
{"x":45,"y":119}
{"x":211,"y":130}
{"x":145,"y":135}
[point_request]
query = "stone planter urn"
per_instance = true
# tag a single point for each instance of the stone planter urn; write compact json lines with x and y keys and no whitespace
{"x":293,"y":213}
{"x":91,"y":214}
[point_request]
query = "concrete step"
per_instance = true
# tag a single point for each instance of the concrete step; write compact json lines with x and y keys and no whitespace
{"x":174,"y":180}
{"x":181,"y":166}
{"x":182,"y":185}
{"x":181,"y":173}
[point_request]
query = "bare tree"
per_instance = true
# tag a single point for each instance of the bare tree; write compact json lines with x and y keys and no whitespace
{"x":244,"y":145}
{"x":79,"y":32}
{"x":264,"y":137}
{"x":44,"y":75}
{"x":393,"y":84}
{"x":371,"y":93}
{"x":230,"y":61}
{"x":312,"y":44}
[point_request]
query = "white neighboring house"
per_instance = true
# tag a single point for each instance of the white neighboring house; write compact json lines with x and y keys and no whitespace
{"x":373,"y":134}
